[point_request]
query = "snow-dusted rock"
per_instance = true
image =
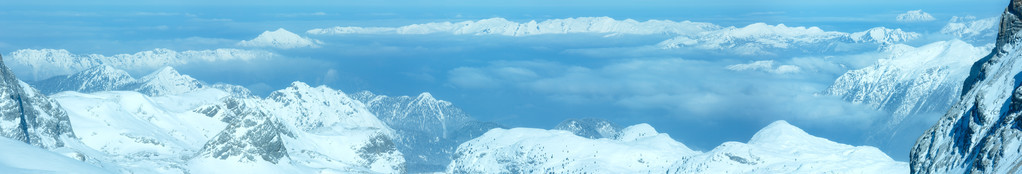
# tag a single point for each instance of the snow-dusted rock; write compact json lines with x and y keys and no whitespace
{"x":29,"y":116}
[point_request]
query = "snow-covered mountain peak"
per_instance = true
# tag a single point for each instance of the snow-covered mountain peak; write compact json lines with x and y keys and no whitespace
{"x":280,"y":38}
{"x":167,"y":81}
{"x":781,"y":132}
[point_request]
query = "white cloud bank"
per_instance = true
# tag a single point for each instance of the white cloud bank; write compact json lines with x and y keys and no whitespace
{"x":692,"y":89}
{"x":765,"y":66}
{"x":915,"y":16}
{"x":282,"y":39}
{"x":44,"y":63}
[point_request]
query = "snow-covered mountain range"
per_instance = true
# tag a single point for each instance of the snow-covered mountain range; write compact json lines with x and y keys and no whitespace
{"x":754,"y":39}
{"x":777,"y":148}
{"x":981,"y":133}
{"x":168,"y":122}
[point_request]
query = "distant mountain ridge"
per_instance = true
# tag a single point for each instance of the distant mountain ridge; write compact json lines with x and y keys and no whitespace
{"x":164,"y":81}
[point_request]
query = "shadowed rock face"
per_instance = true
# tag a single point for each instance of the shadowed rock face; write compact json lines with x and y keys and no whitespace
{"x":28,"y":116}
{"x":982,"y":133}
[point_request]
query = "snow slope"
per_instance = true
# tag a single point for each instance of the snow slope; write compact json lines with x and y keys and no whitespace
{"x":143,"y":134}
{"x":981,"y":133}
{"x":16,"y":157}
{"x":777,"y":148}
{"x":783,"y":148}
{"x":639,"y":149}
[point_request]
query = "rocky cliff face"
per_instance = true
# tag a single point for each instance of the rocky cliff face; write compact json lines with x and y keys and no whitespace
{"x":28,"y":116}
{"x":981,"y":133}
{"x":428,"y":129}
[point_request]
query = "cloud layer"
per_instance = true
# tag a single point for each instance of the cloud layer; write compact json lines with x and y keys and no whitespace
{"x":691,"y":89}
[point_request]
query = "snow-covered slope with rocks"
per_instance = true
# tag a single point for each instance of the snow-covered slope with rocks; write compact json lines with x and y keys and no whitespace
{"x":299,"y":128}
{"x":428,"y":129}
{"x":777,"y":148}
{"x":592,"y":128}
{"x":144,"y":134}
{"x":910,"y":81}
{"x":282,"y":39}
{"x":981,"y":133}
